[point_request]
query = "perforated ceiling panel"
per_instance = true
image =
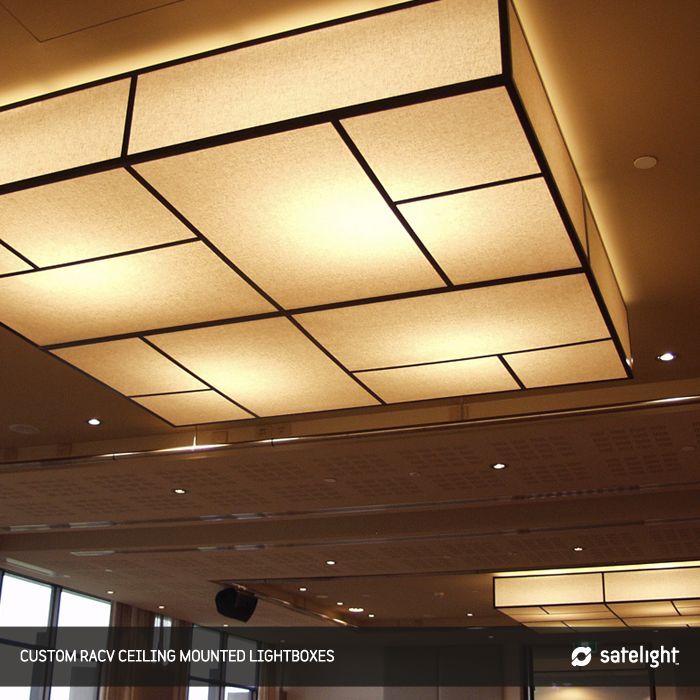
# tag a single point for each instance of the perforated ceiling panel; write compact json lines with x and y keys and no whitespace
{"x":349,"y":215}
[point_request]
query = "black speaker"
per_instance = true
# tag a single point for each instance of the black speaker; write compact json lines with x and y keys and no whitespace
{"x":236,"y":604}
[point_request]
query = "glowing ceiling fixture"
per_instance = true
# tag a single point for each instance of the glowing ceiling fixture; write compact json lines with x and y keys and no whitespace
{"x":180,"y":492}
{"x":499,"y":465}
{"x":666,"y":357}
{"x":383,"y":203}
{"x":667,"y":596}
{"x":94,"y":421}
{"x":330,"y":562}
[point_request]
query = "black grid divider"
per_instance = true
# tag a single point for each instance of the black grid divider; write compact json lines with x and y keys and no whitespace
{"x":280,"y":309}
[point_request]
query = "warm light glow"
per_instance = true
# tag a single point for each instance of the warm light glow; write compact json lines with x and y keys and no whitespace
{"x":94,"y":421}
{"x":330,"y":562}
{"x":610,"y":598}
{"x":180,"y":492}
{"x":499,"y":465}
{"x":343,"y":217}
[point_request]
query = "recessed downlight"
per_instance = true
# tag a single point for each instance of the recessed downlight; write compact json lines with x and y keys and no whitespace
{"x":94,"y":421}
{"x":303,"y":589}
{"x":340,"y":602}
{"x":110,"y":592}
{"x":499,"y":465}
{"x":356,"y":610}
{"x":645,"y":162}
{"x":330,"y":562}
{"x":161,"y":607}
{"x":667,"y":356}
{"x":578,"y":549}
{"x":179,"y":491}
{"x":370,"y":615}
{"x":470,"y":614}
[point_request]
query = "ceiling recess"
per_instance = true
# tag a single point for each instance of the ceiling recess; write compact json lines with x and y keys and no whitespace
{"x":375,"y":210}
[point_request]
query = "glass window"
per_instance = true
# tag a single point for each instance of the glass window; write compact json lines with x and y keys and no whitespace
{"x":231,"y":693}
{"x":76,"y":610}
{"x":199,"y":691}
{"x":204,"y":639}
{"x":24,"y":603}
{"x":241,"y":673}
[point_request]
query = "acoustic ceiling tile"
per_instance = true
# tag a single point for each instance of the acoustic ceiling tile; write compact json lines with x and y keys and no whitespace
{"x":444,"y":144}
{"x":459,"y":324}
{"x":298,"y":215}
{"x":194,"y":407}
{"x":494,"y":232}
{"x":479,"y":376}
{"x":589,"y":362}
{"x":130,"y":293}
{"x":267,"y":365}
{"x":130,"y":366}
{"x":85,"y":218}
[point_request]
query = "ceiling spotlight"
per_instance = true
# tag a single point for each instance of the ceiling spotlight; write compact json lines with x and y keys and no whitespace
{"x":302,"y":589}
{"x":94,"y":421}
{"x":667,"y":357}
{"x":499,"y":465}
{"x":370,"y":615}
{"x":225,"y":624}
{"x":180,"y":492}
{"x":470,"y":614}
{"x":578,"y":549}
{"x":110,"y":592}
{"x":161,"y":607}
{"x":339,"y":603}
{"x":330,"y":562}
{"x":645,"y":162}
{"x":356,"y":610}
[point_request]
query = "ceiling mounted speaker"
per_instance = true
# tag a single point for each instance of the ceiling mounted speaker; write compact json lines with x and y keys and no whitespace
{"x":236,"y":604}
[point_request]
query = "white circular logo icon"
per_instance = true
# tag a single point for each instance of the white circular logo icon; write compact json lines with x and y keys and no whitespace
{"x":581,"y":656}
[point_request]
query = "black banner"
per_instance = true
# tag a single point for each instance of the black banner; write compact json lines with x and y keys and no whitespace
{"x":376,"y":657}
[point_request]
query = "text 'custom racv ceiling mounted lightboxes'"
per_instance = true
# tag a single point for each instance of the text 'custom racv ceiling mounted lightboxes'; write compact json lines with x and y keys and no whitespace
{"x":375,"y":210}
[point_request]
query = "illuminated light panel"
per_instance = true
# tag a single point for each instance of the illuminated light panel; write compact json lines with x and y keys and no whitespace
{"x":165,"y":287}
{"x":444,"y":144}
{"x":84,"y":218}
{"x":482,"y":234}
{"x":9,"y":262}
{"x":381,"y":179}
{"x":460,"y":324}
{"x":391,"y":54}
{"x":658,"y":609}
{"x":632,"y":597}
{"x":589,"y":362}
{"x":193,"y":408}
{"x":130,"y":366}
{"x":298,"y":215}
{"x":479,"y":376}
{"x":62,"y":132}
{"x":269,"y":366}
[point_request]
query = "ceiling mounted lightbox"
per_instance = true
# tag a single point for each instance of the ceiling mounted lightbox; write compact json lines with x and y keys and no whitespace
{"x":374,"y":210}
{"x":641,"y":597}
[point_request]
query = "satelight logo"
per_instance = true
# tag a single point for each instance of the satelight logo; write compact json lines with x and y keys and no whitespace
{"x":581,"y":656}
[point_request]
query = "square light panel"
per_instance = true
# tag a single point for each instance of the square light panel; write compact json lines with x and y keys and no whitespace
{"x":341,"y":216}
